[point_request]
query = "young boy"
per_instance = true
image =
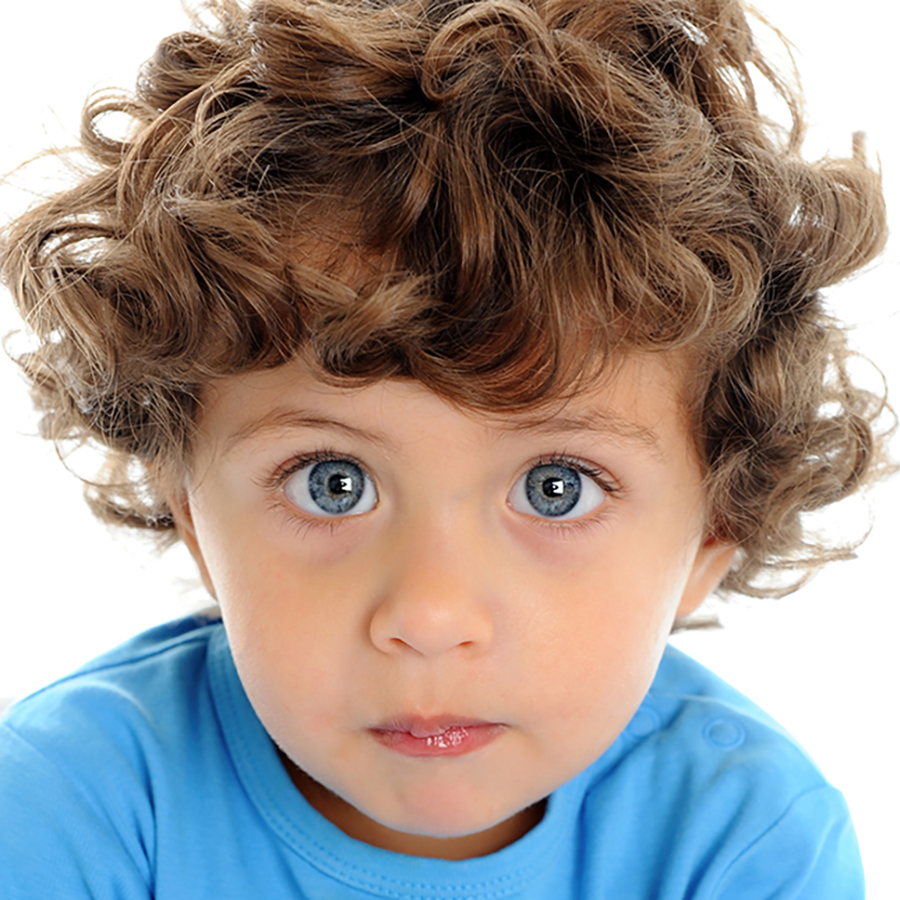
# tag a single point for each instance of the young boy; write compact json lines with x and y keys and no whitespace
{"x":469,"y":348}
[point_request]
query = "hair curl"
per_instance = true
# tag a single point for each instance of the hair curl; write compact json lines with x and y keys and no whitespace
{"x":542,"y":182}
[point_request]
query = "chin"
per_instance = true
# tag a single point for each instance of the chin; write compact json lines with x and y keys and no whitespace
{"x":450,"y":811}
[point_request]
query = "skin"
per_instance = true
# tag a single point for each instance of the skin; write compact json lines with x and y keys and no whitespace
{"x":451,"y":595}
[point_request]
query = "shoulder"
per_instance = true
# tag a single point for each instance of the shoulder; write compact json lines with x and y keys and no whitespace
{"x":731,"y":749}
{"x":711,"y":725}
{"x":152,"y":673}
{"x":81,"y":762}
{"x":715,"y":790}
{"x":129,"y":702}
{"x":162,"y":649}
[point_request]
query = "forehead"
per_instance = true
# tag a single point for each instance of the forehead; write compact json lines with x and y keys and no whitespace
{"x":638,"y":401}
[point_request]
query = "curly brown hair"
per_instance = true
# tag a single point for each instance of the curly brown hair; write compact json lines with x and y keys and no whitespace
{"x":544,"y":184}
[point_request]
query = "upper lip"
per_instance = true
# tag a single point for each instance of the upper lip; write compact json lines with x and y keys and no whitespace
{"x":428,"y":726}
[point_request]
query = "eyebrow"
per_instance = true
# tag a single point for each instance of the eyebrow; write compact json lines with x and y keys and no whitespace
{"x":286,"y":419}
{"x":602,"y":422}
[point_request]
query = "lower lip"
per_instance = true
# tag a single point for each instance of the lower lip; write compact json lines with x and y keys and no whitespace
{"x":455,"y":741}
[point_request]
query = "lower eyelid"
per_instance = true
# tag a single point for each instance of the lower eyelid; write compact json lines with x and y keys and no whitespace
{"x":300,"y":523}
{"x":571,"y":527}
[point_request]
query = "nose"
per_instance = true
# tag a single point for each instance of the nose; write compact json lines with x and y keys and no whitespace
{"x":436,"y":598}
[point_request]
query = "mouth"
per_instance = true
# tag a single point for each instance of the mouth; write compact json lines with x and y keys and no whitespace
{"x":437,"y":736}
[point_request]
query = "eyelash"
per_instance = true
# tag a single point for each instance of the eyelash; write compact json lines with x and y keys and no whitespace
{"x":273,"y":482}
{"x":301,"y":461}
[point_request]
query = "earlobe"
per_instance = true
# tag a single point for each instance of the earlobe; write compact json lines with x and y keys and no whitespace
{"x":711,"y":565}
{"x":180,"y":505}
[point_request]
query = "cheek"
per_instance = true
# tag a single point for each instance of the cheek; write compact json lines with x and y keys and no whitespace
{"x":599,"y":641}
{"x":279,"y":610}
{"x":261,"y":572}
{"x":284,"y":628}
{"x":290,"y":652}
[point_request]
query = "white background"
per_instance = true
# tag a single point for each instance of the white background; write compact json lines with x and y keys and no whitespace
{"x":824,"y":662}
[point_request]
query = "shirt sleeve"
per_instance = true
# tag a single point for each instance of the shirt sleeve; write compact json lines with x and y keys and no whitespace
{"x":810,"y":853}
{"x":55,"y":839}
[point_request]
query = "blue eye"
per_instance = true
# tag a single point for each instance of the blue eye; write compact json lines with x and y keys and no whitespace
{"x":557,"y":491}
{"x":331,"y":487}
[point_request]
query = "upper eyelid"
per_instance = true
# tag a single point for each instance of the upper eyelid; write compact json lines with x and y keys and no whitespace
{"x":600,"y":474}
{"x":301,"y":461}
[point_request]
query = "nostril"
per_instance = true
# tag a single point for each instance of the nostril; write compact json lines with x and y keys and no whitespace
{"x":398,"y":644}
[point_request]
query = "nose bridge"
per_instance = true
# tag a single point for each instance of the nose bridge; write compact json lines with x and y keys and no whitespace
{"x":436,"y":596}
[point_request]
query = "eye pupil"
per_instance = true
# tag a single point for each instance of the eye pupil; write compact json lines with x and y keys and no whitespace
{"x":340,"y":484}
{"x":554,"y":487}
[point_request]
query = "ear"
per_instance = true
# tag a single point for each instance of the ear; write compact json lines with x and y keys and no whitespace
{"x":180,"y":505}
{"x":711,"y":564}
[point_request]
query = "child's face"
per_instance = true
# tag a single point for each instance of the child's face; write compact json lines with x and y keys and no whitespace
{"x":388,"y":566}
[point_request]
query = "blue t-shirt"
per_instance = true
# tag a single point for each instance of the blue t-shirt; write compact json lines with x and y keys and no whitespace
{"x":148,"y":774}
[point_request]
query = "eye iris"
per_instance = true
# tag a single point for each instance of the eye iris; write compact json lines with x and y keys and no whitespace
{"x":553,"y":490}
{"x":336,"y":485}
